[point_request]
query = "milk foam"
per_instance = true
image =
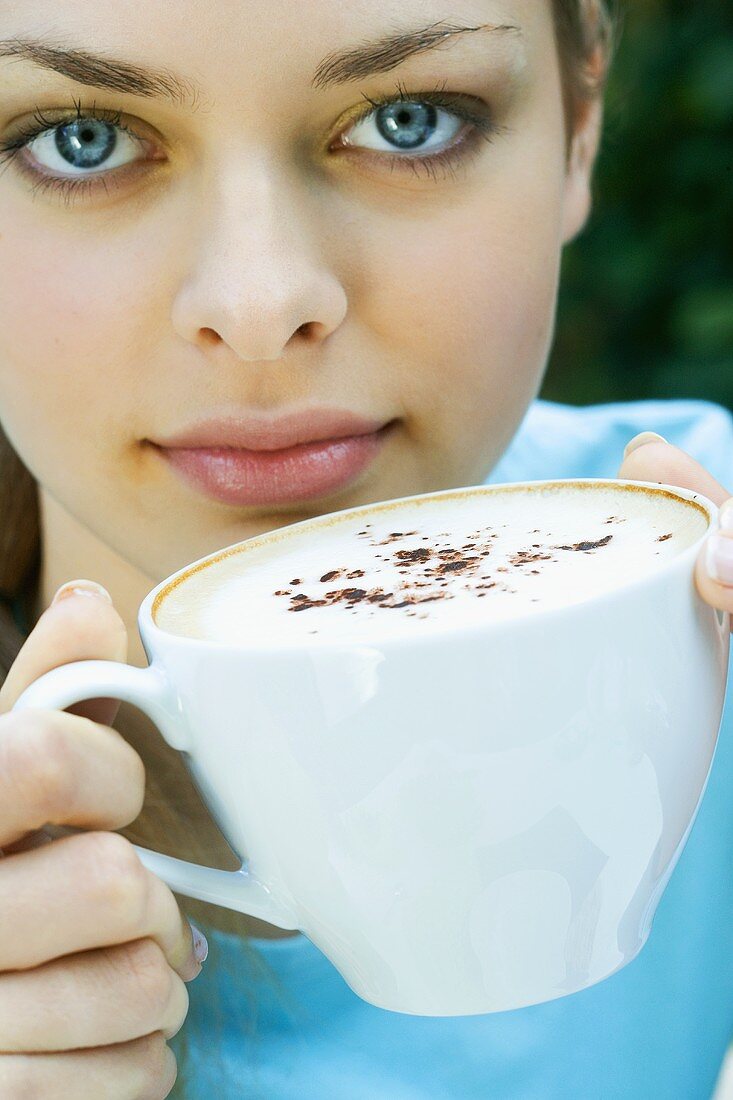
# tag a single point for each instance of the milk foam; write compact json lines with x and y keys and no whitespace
{"x":443,"y":562}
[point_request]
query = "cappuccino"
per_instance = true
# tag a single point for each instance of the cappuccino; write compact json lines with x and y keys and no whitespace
{"x":432,"y":562}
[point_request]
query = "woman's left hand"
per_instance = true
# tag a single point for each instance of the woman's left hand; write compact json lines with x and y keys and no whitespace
{"x":649,"y":457}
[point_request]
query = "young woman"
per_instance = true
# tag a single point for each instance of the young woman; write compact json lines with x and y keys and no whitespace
{"x":335,"y":231}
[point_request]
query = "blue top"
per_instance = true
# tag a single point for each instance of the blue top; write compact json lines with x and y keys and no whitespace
{"x":274,"y":1019}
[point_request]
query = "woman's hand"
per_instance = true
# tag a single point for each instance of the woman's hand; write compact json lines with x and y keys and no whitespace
{"x":648,"y":457}
{"x":94,"y":951}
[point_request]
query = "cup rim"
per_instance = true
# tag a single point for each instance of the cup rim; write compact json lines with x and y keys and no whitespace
{"x":149,"y":629}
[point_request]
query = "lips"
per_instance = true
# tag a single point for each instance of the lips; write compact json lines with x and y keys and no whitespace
{"x":256,"y":434}
{"x":300,"y":457}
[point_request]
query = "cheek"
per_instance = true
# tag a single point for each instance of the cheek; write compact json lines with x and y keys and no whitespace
{"x":70,"y":309}
{"x":70,"y":317}
{"x":465,"y":300}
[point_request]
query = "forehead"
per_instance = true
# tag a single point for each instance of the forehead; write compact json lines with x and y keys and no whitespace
{"x":223,"y":44}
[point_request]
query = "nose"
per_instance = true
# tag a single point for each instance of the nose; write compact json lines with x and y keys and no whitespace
{"x":258,"y":282}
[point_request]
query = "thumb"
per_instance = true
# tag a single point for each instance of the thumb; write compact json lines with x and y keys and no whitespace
{"x":80,"y":624}
{"x":650,"y":458}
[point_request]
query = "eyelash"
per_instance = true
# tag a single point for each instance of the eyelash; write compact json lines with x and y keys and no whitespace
{"x":11,"y":148}
{"x":482,"y":128}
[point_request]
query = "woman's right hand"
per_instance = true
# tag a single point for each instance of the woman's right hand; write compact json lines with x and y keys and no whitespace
{"x":94,"y":951}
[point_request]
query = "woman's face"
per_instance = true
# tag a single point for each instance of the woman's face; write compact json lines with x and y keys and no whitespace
{"x":280,"y":244}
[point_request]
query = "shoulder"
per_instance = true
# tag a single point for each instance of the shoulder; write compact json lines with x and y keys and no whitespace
{"x":556,"y":440}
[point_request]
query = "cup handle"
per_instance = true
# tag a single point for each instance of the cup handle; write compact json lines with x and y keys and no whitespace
{"x":150,"y":690}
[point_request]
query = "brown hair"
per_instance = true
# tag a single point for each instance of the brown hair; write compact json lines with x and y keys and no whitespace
{"x":584,"y":36}
{"x":585,"y":33}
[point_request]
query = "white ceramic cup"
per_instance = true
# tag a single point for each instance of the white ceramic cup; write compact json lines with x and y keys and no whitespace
{"x":465,"y":821}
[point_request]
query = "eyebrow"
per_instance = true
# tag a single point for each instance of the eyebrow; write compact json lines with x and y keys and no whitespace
{"x":111,"y":74}
{"x":98,"y":71}
{"x":391,"y":50}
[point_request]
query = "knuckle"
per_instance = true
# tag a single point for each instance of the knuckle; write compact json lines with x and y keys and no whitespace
{"x":137,"y":783}
{"x":160,"y":1068}
{"x":36,"y":758}
{"x":119,"y":880}
{"x":144,"y":961}
{"x":177,"y":1009}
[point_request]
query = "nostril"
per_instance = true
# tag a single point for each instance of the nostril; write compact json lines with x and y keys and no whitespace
{"x":309,"y":330}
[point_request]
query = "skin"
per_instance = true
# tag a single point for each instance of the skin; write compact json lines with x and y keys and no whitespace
{"x":203,"y":305}
{"x":197,"y":304}
{"x":124,"y":316}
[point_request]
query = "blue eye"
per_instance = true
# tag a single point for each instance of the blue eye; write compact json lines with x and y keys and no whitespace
{"x":421,"y":132}
{"x":84,"y":143}
{"x":76,"y":147}
{"x":77,"y":154}
{"x":418,"y":131}
{"x":404,"y":126}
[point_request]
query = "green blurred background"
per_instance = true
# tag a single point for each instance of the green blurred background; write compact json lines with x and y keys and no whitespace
{"x":646,"y":307}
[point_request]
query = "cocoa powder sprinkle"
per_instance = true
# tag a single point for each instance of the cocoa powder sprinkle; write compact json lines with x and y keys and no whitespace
{"x":587,"y":545}
{"x":438,"y":571}
{"x":455,"y":566}
{"x":421,"y":554}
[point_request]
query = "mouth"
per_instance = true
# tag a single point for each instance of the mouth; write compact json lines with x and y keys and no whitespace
{"x":303,"y":471}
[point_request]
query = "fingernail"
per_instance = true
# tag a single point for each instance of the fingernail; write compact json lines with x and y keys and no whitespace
{"x":719,"y":559}
{"x":81,"y":588}
{"x":640,"y":440}
{"x":725,"y":516}
{"x":200,"y":945}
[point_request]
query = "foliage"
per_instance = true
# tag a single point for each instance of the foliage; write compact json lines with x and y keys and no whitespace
{"x":646,"y":308}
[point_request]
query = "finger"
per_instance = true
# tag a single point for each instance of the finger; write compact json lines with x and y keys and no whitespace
{"x":655,"y":460}
{"x":110,"y":995}
{"x":61,"y":769}
{"x":127,"y":1071}
{"x":659,"y":461}
{"x":714,"y":567}
{"x":86,"y":891}
{"x":75,"y":628}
